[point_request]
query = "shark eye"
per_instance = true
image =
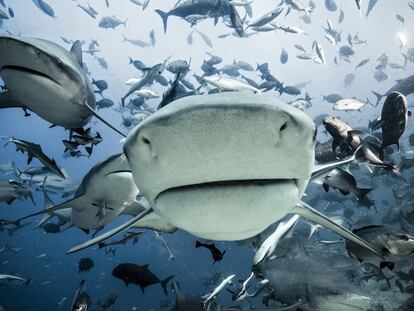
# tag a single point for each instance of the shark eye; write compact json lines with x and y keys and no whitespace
{"x":404,"y":237}
{"x":58,"y":61}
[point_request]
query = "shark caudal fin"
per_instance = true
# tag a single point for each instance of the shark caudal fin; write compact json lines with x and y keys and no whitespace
{"x":164,"y":17}
{"x":96,"y":115}
{"x":110,"y":233}
{"x":310,"y":213}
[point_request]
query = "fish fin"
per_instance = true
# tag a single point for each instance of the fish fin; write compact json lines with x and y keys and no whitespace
{"x":310,"y":213}
{"x":76,"y":51}
{"x":361,"y":193}
{"x":142,"y":289}
{"x":7,"y":100}
{"x":325,"y":187}
{"x":27,"y":282}
{"x":68,"y":204}
{"x":390,"y":265}
{"x":96,"y":115}
{"x":344,"y":192}
{"x":110,"y":233}
{"x":354,"y":133}
{"x":164,"y":17}
{"x":197,"y":244}
{"x":164,"y":284}
{"x":379,"y":97}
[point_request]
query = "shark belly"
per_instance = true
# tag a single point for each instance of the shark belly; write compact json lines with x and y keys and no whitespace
{"x":45,"y":97}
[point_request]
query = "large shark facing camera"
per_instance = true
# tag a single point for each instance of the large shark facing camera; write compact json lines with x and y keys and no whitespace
{"x":226,"y":166}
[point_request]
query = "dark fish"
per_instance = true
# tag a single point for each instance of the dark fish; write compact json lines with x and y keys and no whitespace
{"x":51,"y":228}
{"x":284,"y":56}
{"x":139,"y":275}
{"x":34,"y":150}
{"x":85,"y":264}
{"x":104,"y":103}
{"x":102,"y":85}
{"x":344,"y":182}
{"x":110,"y":300}
{"x":46,"y":8}
{"x":395,"y":246}
{"x":215,"y":252}
{"x":236,"y":21}
{"x":11,"y":12}
{"x":81,"y":300}
{"x":394,"y":117}
{"x":343,"y":135}
{"x":331,"y":5}
{"x":404,"y":86}
{"x":210,"y":8}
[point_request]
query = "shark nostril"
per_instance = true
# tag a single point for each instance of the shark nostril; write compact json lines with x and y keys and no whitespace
{"x":146,"y":141}
{"x":283,"y":127}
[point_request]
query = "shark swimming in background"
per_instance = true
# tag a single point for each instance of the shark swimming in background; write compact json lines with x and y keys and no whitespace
{"x":43,"y":77}
{"x":204,"y":160}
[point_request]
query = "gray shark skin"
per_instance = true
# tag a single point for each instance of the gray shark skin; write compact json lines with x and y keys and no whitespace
{"x":105,"y":192}
{"x":47,"y":79}
{"x":293,"y":279}
{"x":210,"y":8}
{"x":204,"y":160}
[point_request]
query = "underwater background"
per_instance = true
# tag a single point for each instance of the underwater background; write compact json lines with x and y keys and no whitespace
{"x":54,"y":275}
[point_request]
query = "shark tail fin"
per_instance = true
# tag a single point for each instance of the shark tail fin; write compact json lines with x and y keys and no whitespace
{"x":310,"y":213}
{"x":165,"y":282}
{"x":164,"y":17}
{"x":96,"y":115}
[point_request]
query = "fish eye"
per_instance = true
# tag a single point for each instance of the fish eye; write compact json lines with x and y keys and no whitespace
{"x":404,"y":237}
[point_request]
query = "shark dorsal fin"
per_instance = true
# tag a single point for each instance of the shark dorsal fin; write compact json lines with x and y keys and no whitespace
{"x":76,"y":50}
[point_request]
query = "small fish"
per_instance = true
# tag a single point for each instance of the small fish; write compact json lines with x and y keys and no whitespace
{"x":215,"y":252}
{"x":45,"y":7}
{"x":349,"y":104}
{"x":400,"y":18}
{"x":362,"y":63}
{"x":111,"y":22}
{"x":218,"y":289}
{"x":371,"y":5}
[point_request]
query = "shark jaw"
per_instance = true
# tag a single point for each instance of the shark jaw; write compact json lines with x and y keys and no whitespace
{"x":223,"y":166}
{"x":254,"y":200}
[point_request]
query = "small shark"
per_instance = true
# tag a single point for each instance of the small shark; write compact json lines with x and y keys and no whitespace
{"x":43,"y":77}
{"x":105,"y":192}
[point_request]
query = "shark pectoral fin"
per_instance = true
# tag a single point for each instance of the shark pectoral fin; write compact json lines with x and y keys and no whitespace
{"x":7,"y":100}
{"x":310,"y":213}
{"x":110,"y":233}
{"x":96,"y":115}
{"x":68,"y":204}
{"x":155,"y":222}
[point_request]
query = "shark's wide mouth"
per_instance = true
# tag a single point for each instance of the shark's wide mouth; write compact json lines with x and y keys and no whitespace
{"x":30,"y":71}
{"x":227,"y":209}
{"x":226,"y":183}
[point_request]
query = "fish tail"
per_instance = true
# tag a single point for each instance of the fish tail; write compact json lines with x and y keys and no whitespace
{"x":379,"y":97}
{"x":164,"y":17}
{"x":124,"y":23}
{"x":164,"y":284}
